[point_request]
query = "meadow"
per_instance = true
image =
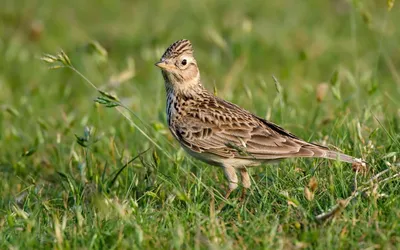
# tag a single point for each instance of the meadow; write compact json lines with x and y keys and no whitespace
{"x":81,"y":169}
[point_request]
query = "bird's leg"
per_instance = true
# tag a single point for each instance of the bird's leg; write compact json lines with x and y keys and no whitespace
{"x":228,"y":192}
{"x":230,"y":174}
{"x":245,"y":182}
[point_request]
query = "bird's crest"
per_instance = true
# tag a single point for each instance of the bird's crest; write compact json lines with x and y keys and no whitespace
{"x":178,"y":48}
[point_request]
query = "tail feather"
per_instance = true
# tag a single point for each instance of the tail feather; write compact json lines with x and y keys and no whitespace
{"x":339,"y":156}
{"x":329,"y":154}
{"x":323,"y":152}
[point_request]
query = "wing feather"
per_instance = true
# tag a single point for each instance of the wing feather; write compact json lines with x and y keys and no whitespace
{"x":252,"y":140}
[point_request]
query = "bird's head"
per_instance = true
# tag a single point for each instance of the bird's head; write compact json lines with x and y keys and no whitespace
{"x":179,"y":68}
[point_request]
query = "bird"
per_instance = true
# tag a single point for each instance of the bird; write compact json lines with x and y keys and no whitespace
{"x":221,"y":133}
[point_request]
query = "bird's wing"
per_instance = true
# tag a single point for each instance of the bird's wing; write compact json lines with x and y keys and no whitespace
{"x":225,"y":130}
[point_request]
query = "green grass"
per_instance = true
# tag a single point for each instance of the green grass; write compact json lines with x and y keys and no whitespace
{"x":61,"y":151}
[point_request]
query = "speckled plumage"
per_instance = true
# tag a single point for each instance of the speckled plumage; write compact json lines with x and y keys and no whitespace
{"x":219,"y":132}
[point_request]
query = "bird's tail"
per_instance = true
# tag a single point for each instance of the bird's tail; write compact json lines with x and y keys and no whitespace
{"x":340,"y":157}
{"x":323,"y":152}
{"x":333,"y":155}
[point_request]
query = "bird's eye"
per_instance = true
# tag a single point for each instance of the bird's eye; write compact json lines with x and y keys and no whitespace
{"x":184,"y":62}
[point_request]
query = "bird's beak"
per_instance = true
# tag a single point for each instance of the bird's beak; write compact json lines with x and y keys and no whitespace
{"x":164,"y":65}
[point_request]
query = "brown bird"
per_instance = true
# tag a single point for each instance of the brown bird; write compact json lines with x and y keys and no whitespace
{"x":221,"y":133}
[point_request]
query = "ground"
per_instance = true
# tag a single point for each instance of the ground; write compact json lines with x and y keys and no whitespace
{"x":65,"y":177}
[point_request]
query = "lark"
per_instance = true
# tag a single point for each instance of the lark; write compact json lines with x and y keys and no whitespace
{"x":221,"y":133}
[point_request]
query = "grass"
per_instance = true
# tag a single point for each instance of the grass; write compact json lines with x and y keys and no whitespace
{"x":66,"y":180}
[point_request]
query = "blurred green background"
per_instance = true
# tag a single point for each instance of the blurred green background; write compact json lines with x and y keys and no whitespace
{"x":337,"y":63}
